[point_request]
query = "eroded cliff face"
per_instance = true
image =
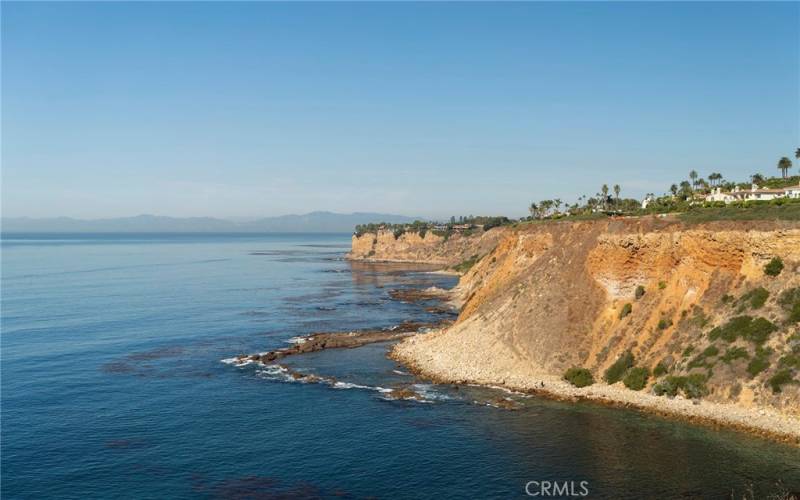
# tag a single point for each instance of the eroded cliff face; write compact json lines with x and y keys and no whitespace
{"x":428,"y":247}
{"x":548,"y":297}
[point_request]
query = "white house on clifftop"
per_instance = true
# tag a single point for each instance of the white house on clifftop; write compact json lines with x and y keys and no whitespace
{"x":753,"y":194}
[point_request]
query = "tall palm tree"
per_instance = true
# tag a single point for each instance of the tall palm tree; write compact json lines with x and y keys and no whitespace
{"x":604,"y":191}
{"x":693,"y":177}
{"x":784,"y":164}
{"x":673,"y":189}
{"x":797,"y":154}
{"x":617,"y":189}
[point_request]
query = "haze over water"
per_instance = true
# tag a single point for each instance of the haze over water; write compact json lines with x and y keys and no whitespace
{"x":114,"y":387}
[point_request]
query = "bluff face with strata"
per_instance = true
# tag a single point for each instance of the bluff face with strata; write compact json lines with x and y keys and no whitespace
{"x":426,"y":247}
{"x":547,"y":297}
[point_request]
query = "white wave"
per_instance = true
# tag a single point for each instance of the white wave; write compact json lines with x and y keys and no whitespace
{"x":412,"y":399}
{"x":507,"y":390}
{"x":350,"y":385}
{"x":428,"y":392}
{"x":239,"y":362}
{"x":297,"y":340}
{"x":275,"y":372}
{"x":274,"y":369}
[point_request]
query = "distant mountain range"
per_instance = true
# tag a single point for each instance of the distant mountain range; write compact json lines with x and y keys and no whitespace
{"x":322,"y":222}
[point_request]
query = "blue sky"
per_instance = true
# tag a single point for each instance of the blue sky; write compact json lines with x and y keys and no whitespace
{"x":431,"y":109}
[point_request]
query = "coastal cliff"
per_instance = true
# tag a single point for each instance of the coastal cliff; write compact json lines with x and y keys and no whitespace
{"x":427,"y":247}
{"x":676,"y":302}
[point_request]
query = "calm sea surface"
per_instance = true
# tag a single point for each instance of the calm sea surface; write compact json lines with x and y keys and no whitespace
{"x":113,"y":386}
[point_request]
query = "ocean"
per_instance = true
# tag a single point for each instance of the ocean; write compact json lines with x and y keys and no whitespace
{"x":114,"y":385}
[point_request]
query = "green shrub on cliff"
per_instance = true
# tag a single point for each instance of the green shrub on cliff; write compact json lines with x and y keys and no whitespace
{"x":668,"y":387}
{"x":639,"y":292}
{"x":660,"y":369}
{"x":756,"y":297}
{"x":692,"y":386}
{"x":760,"y":329}
{"x":699,"y":319}
{"x":734,"y":353}
{"x":695,"y":386}
{"x":774,"y":267}
{"x":789,"y":297}
{"x":636,"y":379}
{"x":790,"y":361}
{"x":760,"y":362}
{"x":756,"y":330}
{"x":579,"y":377}
{"x":615,"y":372}
{"x":466,"y":265}
{"x":794,"y":313}
{"x":626,"y":310}
{"x":780,"y":378}
{"x":700,"y":360}
{"x":790,"y":301}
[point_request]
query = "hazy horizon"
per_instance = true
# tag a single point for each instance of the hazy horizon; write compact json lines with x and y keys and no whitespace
{"x":233,"y":110}
{"x":312,"y":222}
{"x":232,"y":218}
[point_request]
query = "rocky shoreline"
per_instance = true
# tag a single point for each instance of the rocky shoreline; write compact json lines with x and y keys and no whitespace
{"x":764,"y":422}
{"x":338,"y":340}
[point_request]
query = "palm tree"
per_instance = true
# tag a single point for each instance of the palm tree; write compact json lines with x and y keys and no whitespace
{"x":673,"y":189}
{"x":757,"y":178}
{"x":797,"y":154}
{"x":617,"y":189}
{"x":693,"y":177}
{"x":784,"y":164}
{"x":604,"y":190}
{"x":534,"y":210}
{"x":686,"y":190}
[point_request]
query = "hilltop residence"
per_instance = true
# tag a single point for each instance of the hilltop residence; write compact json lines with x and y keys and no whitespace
{"x":753,"y":194}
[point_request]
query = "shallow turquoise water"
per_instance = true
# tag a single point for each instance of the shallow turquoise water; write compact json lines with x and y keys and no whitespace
{"x":113,"y":386}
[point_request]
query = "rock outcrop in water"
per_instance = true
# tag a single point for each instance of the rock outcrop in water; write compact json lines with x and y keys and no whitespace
{"x":691,"y":304}
{"x":338,"y":340}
